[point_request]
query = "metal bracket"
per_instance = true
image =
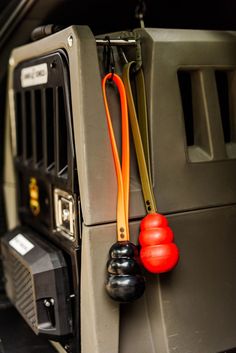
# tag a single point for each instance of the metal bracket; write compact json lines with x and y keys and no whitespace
{"x":126,"y":39}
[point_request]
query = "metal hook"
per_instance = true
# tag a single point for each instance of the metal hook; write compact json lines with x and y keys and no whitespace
{"x":122,"y":53}
{"x":109,"y":58}
{"x":138,"y":52}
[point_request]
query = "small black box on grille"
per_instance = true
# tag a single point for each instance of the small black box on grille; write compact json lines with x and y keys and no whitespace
{"x":36,"y":282}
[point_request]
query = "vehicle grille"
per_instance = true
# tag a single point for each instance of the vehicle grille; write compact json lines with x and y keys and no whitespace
{"x":44,"y":139}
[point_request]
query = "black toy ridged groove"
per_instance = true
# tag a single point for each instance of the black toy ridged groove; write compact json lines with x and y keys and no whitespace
{"x":125,"y":282}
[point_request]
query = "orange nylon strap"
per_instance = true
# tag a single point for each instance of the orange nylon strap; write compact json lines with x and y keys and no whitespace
{"x":122,"y":173}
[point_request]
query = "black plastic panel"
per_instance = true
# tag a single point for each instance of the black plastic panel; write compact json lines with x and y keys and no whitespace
{"x":44,"y":139}
{"x":37,"y":282}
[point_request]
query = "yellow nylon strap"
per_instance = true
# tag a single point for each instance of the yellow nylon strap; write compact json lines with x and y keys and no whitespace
{"x":142,"y":116}
{"x":149,"y":198}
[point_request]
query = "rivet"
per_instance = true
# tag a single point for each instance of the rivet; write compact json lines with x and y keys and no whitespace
{"x":11,"y":61}
{"x":70,"y":41}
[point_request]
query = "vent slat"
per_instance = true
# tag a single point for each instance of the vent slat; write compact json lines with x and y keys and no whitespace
{"x":23,"y":115}
{"x":33,"y":131}
{"x":19,"y":124}
{"x":24,"y":296}
{"x":23,"y":285}
{"x":50,"y":159}
{"x":44,"y":129}
{"x":61,"y":138}
{"x":38,"y":125}
{"x":18,"y":270}
{"x":56,"y":128}
{"x":28,"y":125}
{"x":24,"y":300}
{"x":62,"y":133}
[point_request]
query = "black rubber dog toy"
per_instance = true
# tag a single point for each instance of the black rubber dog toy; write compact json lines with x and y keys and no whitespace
{"x":125,"y":282}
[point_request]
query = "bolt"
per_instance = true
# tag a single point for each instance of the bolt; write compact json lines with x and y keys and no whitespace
{"x":47,"y":303}
{"x":67,"y":347}
{"x":52,"y":301}
{"x":11,"y":61}
{"x":53,"y":64}
{"x":65,"y":215}
{"x":70,"y":41}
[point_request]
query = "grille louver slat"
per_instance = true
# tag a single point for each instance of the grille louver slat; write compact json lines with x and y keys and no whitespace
{"x":19,"y":124}
{"x":28,"y":126}
{"x":38,"y":126}
{"x":49,"y":129}
{"x":62,"y":161}
{"x":42,"y":133}
{"x":56,"y":128}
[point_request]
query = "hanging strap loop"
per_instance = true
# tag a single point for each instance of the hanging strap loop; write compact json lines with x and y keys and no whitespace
{"x":142,"y":154}
{"x":122,"y":172}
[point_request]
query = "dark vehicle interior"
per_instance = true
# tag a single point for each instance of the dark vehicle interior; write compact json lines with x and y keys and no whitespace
{"x":99,"y":255}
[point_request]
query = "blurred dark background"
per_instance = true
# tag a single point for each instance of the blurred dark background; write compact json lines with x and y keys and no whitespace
{"x":108,"y":15}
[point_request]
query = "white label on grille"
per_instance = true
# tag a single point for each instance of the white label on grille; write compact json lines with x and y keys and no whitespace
{"x":34,"y":75}
{"x":21,"y":244}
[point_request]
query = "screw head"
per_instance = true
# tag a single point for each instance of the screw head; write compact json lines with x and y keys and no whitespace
{"x":70,"y":41}
{"x":67,"y":347}
{"x":47,"y":303}
{"x":53,"y":64}
{"x":52,"y":301}
{"x":65,"y":215}
{"x":11,"y":61}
